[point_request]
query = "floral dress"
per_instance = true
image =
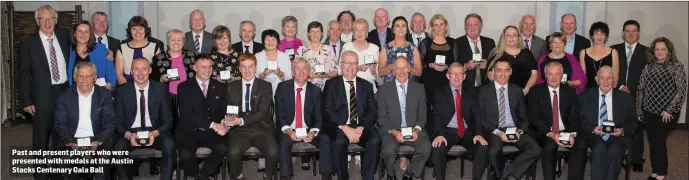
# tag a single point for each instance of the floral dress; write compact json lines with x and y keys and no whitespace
{"x":225,"y":62}
{"x":324,"y":56}
{"x":392,"y":52}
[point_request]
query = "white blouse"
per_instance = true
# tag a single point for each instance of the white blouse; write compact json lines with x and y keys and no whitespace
{"x":283,"y":64}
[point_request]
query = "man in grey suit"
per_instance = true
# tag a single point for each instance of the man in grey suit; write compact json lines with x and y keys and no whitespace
{"x":535,"y":44}
{"x":400,"y":107}
{"x":333,"y":39}
{"x":198,"y":40}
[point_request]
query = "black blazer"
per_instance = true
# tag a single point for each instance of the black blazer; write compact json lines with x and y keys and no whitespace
{"x":102,"y":115}
{"x":488,"y":107}
{"x":623,"y":109}
{"x":541,"y":113}
{"x":285,"y":105}
{"x":34,"y":71}
{"x":373,"y":38}
{"x":197,"y":111}
{"x":466,"y":55}
{"x":445,"y":109}
{"x":636,"y":65}
{"x":113,"y":44}
{"x":257,"y":47}
{"x":260,"y":117}
{"x":158,"y":106}
{"x":580,"y":42}
{"x":337,"y":107}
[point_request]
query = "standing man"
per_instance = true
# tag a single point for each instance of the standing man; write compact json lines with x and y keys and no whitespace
{"x":254,"y":125}
{"x":202,"y":107}
{"x":418,"y":28}
{"x":43,"y":76}
{"x":632,"y":62}
{"x":553,"y":108}
{"x":247,"y":32}
{"x":198,"y":40}
{"x":333,"y":39}
{"x":535,"y":44}
{"x":99,"y":21}
{"x":346,"y":19}
{"x":575,"y":43}
{"x":501,"y":106}
{"x":351,"y":113}
{"x":382,"y":35}
{"x":474,"y":44}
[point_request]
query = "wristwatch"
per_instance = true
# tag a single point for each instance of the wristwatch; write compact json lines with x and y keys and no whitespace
{"x":520,"y":131}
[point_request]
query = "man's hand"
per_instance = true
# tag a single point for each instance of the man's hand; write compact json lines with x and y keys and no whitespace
{"x":132,"y":138}
{"x":94,"y":144}
{"x":164,"y":78}
{"x":363,"y":67}
{"x":414,"y":135}
{"x":310,"y":137}
{"x":598,"y":130}
{"x":72,"y":145}
{"x":351,"y":134}
{"x":625,"y":89}
{"x":556,"y":138}
{"x":108,"y":86}
{"x":30,"y":109}
{"x":121,"y":80}
{"x":292,"y":135}
{"x":397,"y":135}
{"x":219,"y":128}
{"x":480,"y":140}
{"x":359,"y":130}
{"x":470,"y":65}
{"x":152,"y":136}
{"x":439,"y":141}
{"x":571,"y":141}
{"x":618,"y":132}
{"x":503,"y":137}
{"x":519,"y":135}
{"x":110,"y":56}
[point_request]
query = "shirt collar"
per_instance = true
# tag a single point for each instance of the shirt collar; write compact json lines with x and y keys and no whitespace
{"x":633,"y":45}
{"x":530,"y":37}
{"x":148,"y":84}
{"x":297,"y":86}
{"x":606,"y":94}
{"x":87,"y":95}
{"x":45,"y":37}
{"x":248,"y":82}
{"x":572,"y":38}
{"x":348,"y":35}
{"x":454,"y":88}
{"x":498,"y":86}
{"x":250,"y":44}
{"x":406,"y":83}
{"x":550,"y":89}
{"x":104,"y":36}
{"x":201,"y":82}
{"x":345,"y":79}
{"x":200,"y":34}
{"x":337,"y":43}
{"x":423,"y":35}
{"x":478,"y":40}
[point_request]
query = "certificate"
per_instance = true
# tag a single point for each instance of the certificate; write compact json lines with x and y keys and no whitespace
{"x":100,"y":82}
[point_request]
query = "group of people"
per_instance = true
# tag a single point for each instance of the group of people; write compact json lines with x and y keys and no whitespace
{"x":380,"y":89}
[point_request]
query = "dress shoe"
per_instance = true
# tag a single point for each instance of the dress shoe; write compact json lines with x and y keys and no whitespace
{"x":638,"y":167}
{"x":262,"y":170}
{"x":408,"y":175}
{"x":153,"y":167}
{"x":189,"y":178}
{"x":392,"y":178}
{"x":305,"y":166}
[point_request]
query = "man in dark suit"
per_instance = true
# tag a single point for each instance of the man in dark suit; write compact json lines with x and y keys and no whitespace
{"x":142,"y":107}
{"x":351,"y":112}
{"x":535,"y":44}
{"x":575,"y":43}
{"x":334,"y":31}
{"x":198,"y":40}
{"x":85,"y":113}
{"x":253,"y":126}
{"x":418,"y":29}
{"x":382,"y":35}
{"x":298,"y":104}
{"x":43,"y":76}
{"x":399,"y":107}
{"x":448,"y":130}
{"x":202,"y":109}
{"x":473,"y":43}
{"x":99,"y":21}
{"x":607,"y":149}
{"x":501,"y":106}
{"x":247,"y":33}
{"x":552,"y":109}
{"x":632,"y":57}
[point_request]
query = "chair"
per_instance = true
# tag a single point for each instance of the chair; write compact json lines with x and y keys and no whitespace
{"x":146,"y":153}
{"x":511,"y":151}
{"x":201,"y":153}
{"x":404,"y":150}
{"x":307,"y":149}
{"x":253,"y":153}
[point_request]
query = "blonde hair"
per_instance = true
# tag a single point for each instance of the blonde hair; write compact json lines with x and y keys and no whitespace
{"x":360,"y":21}
{"x":431,"y":29}
{"x":173,"y":32}
{"x":501,"y":47}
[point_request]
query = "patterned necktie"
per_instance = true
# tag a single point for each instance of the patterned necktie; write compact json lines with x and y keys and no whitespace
{"x":247,"y":98}
{"x":418,"y":41}
{"x":458,"y":110}
{"x":352,"y":104}
{"x":603,"y":115}
{"x":477,"y":80}
{"x":629,"y":59}
{"x":298,"y":108}
{"x":403,"y":106}
{"x":100,"y":40}
{"x":246,"y":50}
{"x":205,"y":89}
{"x":526,"y":43}
{"x":142,"y":105}
{"x":335,"y":50}
{"x":501,"y":107}
{"x":556,"y":114}
{"x":55,"y":71}
{"x":196,"y":43}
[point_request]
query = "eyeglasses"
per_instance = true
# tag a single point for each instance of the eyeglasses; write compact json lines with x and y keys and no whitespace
{"x":46,"y":19}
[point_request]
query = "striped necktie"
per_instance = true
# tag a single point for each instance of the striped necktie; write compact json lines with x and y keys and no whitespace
{"x":353,"y":115}
{"x":629,"y":59}
{"x":196,"y":43}
{"x":603,"y":116}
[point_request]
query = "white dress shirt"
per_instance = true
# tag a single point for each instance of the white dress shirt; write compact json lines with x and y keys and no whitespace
{"x":608,"y":105}
{"x":251,"y":47}
{"x":244,"y":89}
{"x":415,"y":38}
{"x":347,"y":37}
{"x":193,"y":38}
{"x":347,"y":87}
{"x":59,"y":57}
{"x":471,"y":44}
{"x":559,"y":113}
{"x":137,"y":118}
{"x":400,"y":93}
{"x":84,"y":127}
{"x":104,"y":40}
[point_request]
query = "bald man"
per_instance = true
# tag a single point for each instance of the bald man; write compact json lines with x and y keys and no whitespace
{"x":535,"y":44}
{"x":575,"y":43}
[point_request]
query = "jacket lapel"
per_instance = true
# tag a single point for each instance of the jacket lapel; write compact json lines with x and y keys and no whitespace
{"x":150,"y":103}
{"x":95,"y":105}
{"x":360,"y":97}
{"x":291,"y":110}
{"x":254,"y":95}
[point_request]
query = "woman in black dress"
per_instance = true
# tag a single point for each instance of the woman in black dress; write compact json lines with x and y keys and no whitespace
{"x":598,"y":55}
{"x":511,"y":48}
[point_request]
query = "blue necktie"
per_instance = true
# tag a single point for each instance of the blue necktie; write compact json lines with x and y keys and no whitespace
{"x":403,"y":106}
{"x":247,"y":98}
{"x":629,"y":59}
{"x":603,"y":116}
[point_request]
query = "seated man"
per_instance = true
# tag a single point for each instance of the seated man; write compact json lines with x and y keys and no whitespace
{"x":456,"y":123}
{"x":607,"y":149}
{"x":142,"y":106}
{"x":202,"y":105}
{"x":85,"y":113}
{"x":253,"y":125}
{"x":351,"y":111}
{"x":552,"y":109}
{"x":400,"y":108}
{"x":501,"y":107}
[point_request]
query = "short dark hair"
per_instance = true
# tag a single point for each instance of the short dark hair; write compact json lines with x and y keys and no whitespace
{"x":502,"y":60}
{"x":346,"y":12}
{"x":401,"y":18}
{"x":631,"y":22}
{"x":599,"y":26}
{"x":138,"y":21}
{"x":92,"y":38}
{"x":269,"y":33}
{"x":314,"y":24}
{"x":202,"y":56}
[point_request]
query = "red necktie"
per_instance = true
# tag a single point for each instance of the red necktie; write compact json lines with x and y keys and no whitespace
{"x":458,"y":110}
{"x":556,"y":119}
{"x":298,"y":108}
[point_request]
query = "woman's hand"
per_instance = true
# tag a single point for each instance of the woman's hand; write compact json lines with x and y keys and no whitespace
{"x":363,"y":67}
{"x":666,"y":117}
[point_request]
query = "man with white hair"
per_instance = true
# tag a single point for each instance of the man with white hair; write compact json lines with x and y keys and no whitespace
{"x":382,"y":34}
{"x":535,"y":44}
{"x":198,"y":40}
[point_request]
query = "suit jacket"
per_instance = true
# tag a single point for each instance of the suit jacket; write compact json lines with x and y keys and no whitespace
{"x":540,"y":108}
{"x":34,"y":71}
{"x":373,"y":37}
{"x":636,"y":65}
{"x":257,"y":47}
{"x":206,"y":45}
{"x":623,"y":110}
{"x":337,"y":107}
{"x":389,"y":112}
{"x":285,"y":99}
{"x":104,"y":67}
{"x":445,"y":109}
{"x":197,"y":111}
{"x":488,"y":107}
{"x":339,"y":50}
{"x":538,"y":46}
{"x":466,"y":54}
{"x":411,"y":39}
{"x":158,"y":106}
{"x":580,"y":42}
{"x":102,"y":115}
{"x":113,"y":44}
{"x":260,"y":118}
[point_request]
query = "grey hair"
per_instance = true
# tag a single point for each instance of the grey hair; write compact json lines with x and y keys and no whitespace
{"x":300,"y":60}
{"x":45,"y":7}
{"x":554,"y":63}
{"x":455,"y":64}
{"x":85,"y":64}
{"x":349,"y":53}
{"x":473,"y":15}
{"x":602,"y":68}
{"x":98,"y":13}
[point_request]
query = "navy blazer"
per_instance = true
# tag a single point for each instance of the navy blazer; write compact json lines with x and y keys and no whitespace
{"x":541,"y":113}
{"x":158,"y":107}
{"x":623,"y":110}
{"x":445,"y":109}
{"x":104,"y":67}
{"x":285,"y":105}
{"x":197,"y":111}
{"x":373,"y":38}
{"x":102,"y":115}
{"x":337,"y":107}
{"x":488,"y":107}
{"x":261,"y":115}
